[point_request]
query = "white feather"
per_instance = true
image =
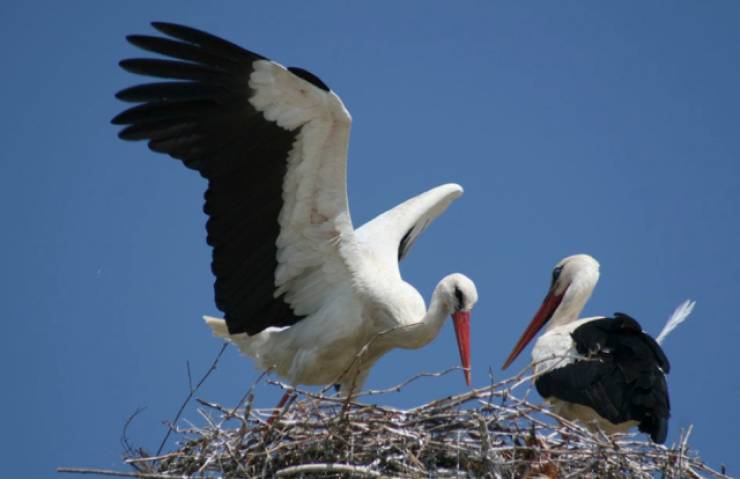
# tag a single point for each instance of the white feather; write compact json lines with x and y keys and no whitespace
{"x":344,"y":286}
{"x":345,"y":282}
{"x":315,"y":210}
{"x":679,"y":316}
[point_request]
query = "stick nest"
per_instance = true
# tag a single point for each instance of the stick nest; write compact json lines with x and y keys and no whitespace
{"x":486,"y":432}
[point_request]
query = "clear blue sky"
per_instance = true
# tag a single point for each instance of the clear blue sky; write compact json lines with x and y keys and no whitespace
{"x":609,"y":129}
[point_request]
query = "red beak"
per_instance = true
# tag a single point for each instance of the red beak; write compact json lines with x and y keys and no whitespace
{"x":549,"y":305}
{"x":461,"y":320}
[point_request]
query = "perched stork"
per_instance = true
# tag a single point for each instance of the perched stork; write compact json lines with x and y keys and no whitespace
{"x":303,"y":292}
{"x":604,"y":372}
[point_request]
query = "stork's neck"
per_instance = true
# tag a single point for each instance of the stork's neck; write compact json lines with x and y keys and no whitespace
{"x":423,"y":331}
{"x":574,"y":300}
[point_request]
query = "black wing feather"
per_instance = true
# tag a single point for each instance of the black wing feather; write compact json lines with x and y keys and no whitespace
{"x":622,"y":376}
{"x":405,"y":244}
{"x":204,"y":118}
{"x":183,"y":51}
{"x":208,"y":42}
{"x":170,"y":91}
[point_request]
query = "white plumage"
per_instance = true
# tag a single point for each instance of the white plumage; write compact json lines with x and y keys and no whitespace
{"x":605,"y":372}
{"x":680,"y":314}
{"x":303,"y":292}
{"x":367,"y":304}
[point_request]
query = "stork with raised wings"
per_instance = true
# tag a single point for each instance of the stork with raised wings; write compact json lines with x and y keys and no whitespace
{"x":302,"y":291}
{"x":605,"y":372}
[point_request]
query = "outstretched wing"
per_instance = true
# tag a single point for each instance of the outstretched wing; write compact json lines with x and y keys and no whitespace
{"x":391,"y":234}
{"x":621,"y":375}
{"x":272,"y":143}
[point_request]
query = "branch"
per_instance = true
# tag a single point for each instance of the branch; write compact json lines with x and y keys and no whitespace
{"x":399,"y":386}
{"x":106,"y":472}
{"x":327,"y":468}
{"x":214,"y":364}
{"x":483,"y":432}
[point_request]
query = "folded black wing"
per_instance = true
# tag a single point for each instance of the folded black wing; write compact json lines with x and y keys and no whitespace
{"x":621,"y":375}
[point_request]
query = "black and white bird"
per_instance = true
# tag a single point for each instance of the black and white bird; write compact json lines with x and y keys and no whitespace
{"x":303,"y":292}
{"x":604,"y":372}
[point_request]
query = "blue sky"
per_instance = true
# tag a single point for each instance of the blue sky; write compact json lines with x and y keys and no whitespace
{"x":608,"y":129}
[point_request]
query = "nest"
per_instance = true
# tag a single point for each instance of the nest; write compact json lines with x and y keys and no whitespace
{"x":485,"y":432}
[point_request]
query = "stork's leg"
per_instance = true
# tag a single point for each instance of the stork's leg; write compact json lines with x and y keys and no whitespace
{"x":279,"y":407}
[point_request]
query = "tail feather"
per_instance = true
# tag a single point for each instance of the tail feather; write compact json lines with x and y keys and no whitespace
{"x":218,"y":326}
{"x":657,"y":427}
{"x":679,"y":316}
{"x":253,"y":346}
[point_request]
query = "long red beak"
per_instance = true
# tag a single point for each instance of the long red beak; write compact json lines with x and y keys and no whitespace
{"x":549,"y":305}
{"x":461,"y":320}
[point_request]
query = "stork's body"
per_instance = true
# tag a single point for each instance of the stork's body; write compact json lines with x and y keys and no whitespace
{"x":604,"y":372}
{"x":303,"y":292}
{"x":322,"y":350}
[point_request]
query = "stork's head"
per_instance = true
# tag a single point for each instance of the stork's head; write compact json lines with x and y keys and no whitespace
{"x":460,"y":295}
{"x":573,"y":280}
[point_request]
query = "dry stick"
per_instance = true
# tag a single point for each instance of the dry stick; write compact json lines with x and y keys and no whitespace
{"x":106,"y":472}
{"x":127,"y":447}
{"x":250,"y":390}
{"x":327,"y":399}
{"x":214,"y":364}
{"x":228,"y":413}
{"x":425,"y":440}
{"x":327,"y":468}
{"x":231,"y":452}
{"x":399,"y":386}
{"x":324,"y":421}
{"x":132,"y":460}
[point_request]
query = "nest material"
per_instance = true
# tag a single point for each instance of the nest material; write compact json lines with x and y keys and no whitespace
{"x":486,"y":432}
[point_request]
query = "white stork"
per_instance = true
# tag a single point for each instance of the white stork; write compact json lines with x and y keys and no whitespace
{"x":302,"y":291}
{"x":604,"y":372}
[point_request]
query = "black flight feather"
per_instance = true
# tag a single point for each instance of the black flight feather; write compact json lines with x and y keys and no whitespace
{"x":201,"y":115}
{"x":622,"y":375}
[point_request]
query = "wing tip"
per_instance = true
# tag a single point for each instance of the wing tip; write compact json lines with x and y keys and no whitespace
{"x":656,"y":427}
{"x":166,"y":27}
{"x":453,"y":190}
{"x":119,"y":119}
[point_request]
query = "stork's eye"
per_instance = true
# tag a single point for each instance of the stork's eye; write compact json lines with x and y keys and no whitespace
{"x":556,"y":274}
{"x":459,"y":298}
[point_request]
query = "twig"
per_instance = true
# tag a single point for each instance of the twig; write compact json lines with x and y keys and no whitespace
{"x":214,"y":364}
{"x":327,"y":468}
{"x":127,"y":447}
{"x":399,"y":386}
{"x":484,"y":432}
{"x":132,"y":460}
{"x":106,"y":472}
